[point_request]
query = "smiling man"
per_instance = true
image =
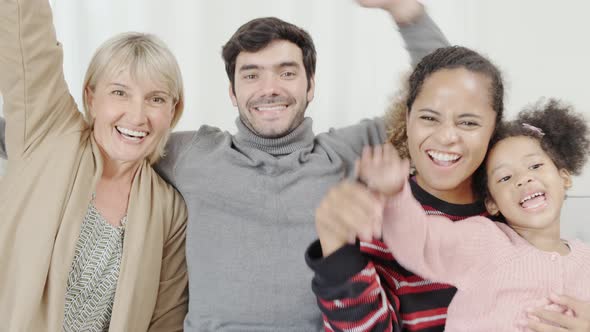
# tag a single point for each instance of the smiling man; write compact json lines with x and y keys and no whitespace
{"x":252,"y":196}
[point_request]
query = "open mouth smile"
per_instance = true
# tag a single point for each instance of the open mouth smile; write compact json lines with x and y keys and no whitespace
{"x":533,"y":201}
{"x":132,"y":135}
{"x":443,"y":158}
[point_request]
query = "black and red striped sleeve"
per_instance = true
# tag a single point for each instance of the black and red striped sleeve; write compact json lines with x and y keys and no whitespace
{"x":349,"y":291}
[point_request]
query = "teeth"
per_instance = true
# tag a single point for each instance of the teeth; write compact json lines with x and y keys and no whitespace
{"x":443,"y":156}
{"x":130,"y":132}
{"x":531,"y":197}
{"x":271,"y":108}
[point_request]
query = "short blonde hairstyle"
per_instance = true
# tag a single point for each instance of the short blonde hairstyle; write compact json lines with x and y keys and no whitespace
{"x":146,"y":57}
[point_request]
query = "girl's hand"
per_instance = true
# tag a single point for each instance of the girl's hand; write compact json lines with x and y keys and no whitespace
{"x":576,"y":316}
{"x":382,"y":170}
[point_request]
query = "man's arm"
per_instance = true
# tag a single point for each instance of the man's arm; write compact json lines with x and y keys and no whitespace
{"x":421,"y":36}
{"x":420,"y":33}
{"x":177,"y":144}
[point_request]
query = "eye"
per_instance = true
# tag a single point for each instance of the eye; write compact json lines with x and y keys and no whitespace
{"x":250,"y":76}
{"x":427,"y":118}
{"x":158,"y":100}
{"x":119,"y":93}
{"x":504,"y":179}
{"x":288,"y":74}
{"x":535,"y":166}
{"x":469,"y":124}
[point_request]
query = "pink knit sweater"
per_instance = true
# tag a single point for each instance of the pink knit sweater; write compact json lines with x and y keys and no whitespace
{"x":498,"y":274}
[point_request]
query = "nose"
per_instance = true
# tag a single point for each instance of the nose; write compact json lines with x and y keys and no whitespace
{"x":137,"y":112}
{"x":524,"y":179}
{"x":447,"y":134}
{"x":270,"y":85}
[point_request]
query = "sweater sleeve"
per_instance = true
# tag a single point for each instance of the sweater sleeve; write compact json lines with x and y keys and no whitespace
{"x":422,"y":37}
{"x":435,"y":247}
{"x":350,"y":292}
{"x":37,"y":102}
{"x":366,"y":132}
{"x":177,"y":144}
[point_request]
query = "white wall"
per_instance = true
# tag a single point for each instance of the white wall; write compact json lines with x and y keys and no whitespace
{"x":540,"y":44}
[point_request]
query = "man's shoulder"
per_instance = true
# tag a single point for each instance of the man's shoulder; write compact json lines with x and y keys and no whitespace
{"x":204,"y":134}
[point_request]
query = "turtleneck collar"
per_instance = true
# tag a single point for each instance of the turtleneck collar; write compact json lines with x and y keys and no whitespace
{"x":299,"y":138}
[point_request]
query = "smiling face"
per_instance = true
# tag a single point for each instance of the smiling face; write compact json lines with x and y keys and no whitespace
{"x":271,"y":89}
{"x":131,"y":118}
{"x":449,"y":128}
{"x":527,"y":188}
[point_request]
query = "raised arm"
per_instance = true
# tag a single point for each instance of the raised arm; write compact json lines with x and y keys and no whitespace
{"x":420,"y":33}
{"x":37,"y":102}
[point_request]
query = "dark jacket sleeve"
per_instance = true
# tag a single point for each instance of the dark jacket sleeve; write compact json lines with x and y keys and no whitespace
{"x":349,"y":291}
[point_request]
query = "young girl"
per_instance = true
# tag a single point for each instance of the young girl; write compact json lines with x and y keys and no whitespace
{"x":500,"y":270}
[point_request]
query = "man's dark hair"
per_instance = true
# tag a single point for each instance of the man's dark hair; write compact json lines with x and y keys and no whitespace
{"x":259,"y":33}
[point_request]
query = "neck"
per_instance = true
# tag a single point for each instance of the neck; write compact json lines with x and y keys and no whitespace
{"x":547,"y":239}
{"x":462,"y":194}
{"x":118,"y":171}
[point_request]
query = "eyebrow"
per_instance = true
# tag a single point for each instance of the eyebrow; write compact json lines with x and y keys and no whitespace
{"x":470,"y":115}
{"x":532,"y":154}
{"x":151,"y":92}
{"x":119,"y":84}
{"x":464,"y":115}
{"x":280,"y":65}
{"x":428,"y":110}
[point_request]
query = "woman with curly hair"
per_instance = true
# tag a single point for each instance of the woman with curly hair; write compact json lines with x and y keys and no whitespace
{"x":502,"y":270}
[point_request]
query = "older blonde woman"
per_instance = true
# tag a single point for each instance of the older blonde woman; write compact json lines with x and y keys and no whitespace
{"x":91,"y":238}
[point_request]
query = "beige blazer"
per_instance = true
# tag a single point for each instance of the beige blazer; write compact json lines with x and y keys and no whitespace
{"x":53,"y":167}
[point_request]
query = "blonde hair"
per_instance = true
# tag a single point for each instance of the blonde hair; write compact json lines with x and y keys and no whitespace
{"x":146,"y":57}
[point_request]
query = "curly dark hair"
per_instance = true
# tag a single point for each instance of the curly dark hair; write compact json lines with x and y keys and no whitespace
{"x":259,"y":33}
{"x":451,"y":57}
{"x":562,"y":133}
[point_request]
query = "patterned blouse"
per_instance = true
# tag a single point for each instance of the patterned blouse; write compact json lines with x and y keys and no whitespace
{"x":92,"y":282}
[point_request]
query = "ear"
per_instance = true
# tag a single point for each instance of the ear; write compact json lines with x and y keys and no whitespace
{"x":491,"y":206}
{"x":311,"y":89}
{"x":232,"y":96}
{"x":89,"y":95}
{"x":567,"y":178}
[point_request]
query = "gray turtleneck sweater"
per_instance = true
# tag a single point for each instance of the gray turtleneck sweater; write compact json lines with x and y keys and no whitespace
{"x":251,"y":216}
{"x":251,"y":205}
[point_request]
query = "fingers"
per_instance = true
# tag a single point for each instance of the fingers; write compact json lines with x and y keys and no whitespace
{"x":382,"y":170}
{"x":570,"y":302}
{"x":538,"y":326}
{"x":562,"y":321}
{"x":348,"y":211}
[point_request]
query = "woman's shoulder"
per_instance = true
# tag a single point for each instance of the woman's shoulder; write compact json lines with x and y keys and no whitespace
{"x":152,"y":184}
